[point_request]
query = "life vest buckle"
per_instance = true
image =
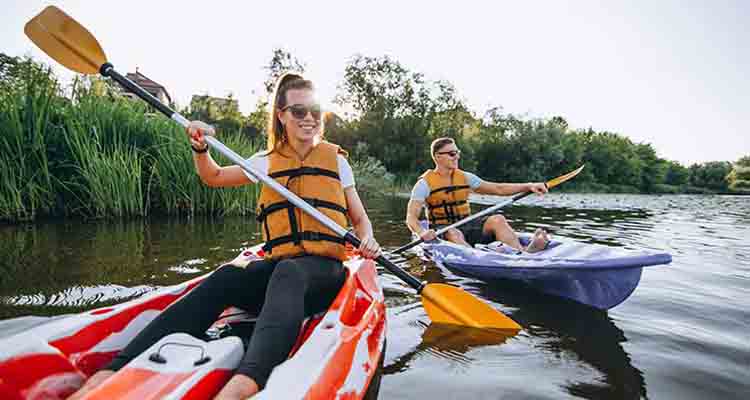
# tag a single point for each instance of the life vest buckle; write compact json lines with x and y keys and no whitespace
{"x":313,"y":236}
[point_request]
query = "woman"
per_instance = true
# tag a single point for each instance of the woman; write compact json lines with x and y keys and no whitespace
{"x":303,"y":269}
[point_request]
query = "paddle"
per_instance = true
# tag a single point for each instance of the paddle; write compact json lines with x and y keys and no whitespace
{"x":70,"y":44}
{"x":550,"y":184}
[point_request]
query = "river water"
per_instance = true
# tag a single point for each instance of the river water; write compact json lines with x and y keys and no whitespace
{"x":683,"y":334}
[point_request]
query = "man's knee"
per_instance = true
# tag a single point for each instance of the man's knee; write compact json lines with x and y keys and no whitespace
{"x":496,"y":221}
{"x":454,"y":234}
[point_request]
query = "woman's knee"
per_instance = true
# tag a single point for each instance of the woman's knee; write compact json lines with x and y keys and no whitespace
{"x":222,"y":275}
{"x":288,"y":271}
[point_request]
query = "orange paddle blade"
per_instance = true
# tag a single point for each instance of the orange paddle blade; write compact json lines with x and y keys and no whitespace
{"x":451,"y":305}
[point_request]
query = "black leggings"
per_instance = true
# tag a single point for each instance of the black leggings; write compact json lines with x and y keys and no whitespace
{"x":282,"y":292}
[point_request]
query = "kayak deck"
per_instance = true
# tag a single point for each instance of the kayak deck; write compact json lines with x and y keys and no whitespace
{"x":595,"y":275}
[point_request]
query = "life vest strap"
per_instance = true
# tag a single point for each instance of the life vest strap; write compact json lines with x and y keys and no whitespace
{"x":449,"y":189}
{"x":447,"y":203}
{"x":449,"y":211}
{"x":295,"y":172}
{"x":281,"y":205}
{"x":306,"y":236}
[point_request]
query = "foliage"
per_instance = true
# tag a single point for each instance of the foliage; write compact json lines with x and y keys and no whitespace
{"x":676,"y":175}
{"x":711,"y":175}
{"x":91,"y":151}
{"x":739,"y":177}
{"x":370,"y":174}
{"x":96,"y":153}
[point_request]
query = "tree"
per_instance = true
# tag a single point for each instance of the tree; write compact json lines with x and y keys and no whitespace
{"x":654,"y":169}
{"x":676,"y":174}
{"x":739,"y":177}
{"x":395,"y":109}
{"x":281,"y":62}
{"x":711,"y":175}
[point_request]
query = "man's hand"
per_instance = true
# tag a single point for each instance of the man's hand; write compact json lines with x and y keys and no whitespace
{"x":537,"y":187}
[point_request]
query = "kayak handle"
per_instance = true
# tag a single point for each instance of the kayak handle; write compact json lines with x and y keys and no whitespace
{"x":159,"y":359}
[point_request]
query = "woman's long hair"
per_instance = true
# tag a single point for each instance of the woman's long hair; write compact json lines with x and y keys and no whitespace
{"x":288,"y":81}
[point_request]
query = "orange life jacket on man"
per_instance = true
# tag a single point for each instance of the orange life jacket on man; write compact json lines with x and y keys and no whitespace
{"x":448,"y":202}
{"x":289,"y":231}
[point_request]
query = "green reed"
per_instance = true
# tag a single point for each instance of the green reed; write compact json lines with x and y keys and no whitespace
{"x":98,"y":154}
{"x":180,"y":190}
{"x":27,"y":109}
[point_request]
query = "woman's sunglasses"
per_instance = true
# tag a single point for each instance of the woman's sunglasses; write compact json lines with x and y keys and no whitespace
{"x":300,"y":111}
{"x":451,"y":153}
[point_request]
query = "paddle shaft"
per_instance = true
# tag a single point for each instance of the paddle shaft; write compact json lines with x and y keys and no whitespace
{"x":108,"y":70}
{"x":470,"y":218}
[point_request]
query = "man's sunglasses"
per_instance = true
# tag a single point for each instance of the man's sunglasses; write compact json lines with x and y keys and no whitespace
{"x":300,"y":111}
{"x":451,"y":153}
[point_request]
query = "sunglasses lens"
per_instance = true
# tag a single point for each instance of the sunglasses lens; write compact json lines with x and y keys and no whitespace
{"x":300,"y":111}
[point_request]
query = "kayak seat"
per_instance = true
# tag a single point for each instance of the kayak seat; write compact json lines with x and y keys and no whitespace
{"x":240,"y":323}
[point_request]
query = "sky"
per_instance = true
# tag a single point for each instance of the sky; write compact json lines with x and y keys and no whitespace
{"x":670,"y":73}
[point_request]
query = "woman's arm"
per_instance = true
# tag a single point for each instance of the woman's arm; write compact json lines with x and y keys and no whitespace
{"x":211,"y":173}
{"x":215,"y":176}
{"x":361,"y":223}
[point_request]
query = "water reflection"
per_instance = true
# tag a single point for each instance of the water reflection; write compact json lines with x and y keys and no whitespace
{"x":683,"y":328}
{"x":70,"y":266}
{"x":556,"y":325}
{"x":565,"y":326}
{"x":448,"y":342}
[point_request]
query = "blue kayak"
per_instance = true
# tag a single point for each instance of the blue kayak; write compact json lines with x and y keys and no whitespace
{"x":595,"y":275}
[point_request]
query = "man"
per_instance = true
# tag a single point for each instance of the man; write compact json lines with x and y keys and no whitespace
{"x":445,"y":193}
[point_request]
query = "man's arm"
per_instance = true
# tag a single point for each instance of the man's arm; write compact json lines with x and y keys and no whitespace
{"x":507,"y":189}
{"x":412,"y":216}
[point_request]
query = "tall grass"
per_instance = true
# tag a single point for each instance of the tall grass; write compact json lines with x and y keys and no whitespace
{"x":106,"y":182}
{"x":98,"y":154}
{"x":26,"y":112}
{"x":180,"y":190}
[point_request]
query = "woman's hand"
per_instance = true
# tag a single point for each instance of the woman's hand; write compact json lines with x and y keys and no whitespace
{"x":196,"y":131}
{"x":537,"y":187}
{"x":369,"y":248}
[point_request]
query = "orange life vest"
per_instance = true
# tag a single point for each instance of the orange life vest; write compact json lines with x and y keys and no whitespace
{"x":448,"y":202}
{"x":289,"y":231}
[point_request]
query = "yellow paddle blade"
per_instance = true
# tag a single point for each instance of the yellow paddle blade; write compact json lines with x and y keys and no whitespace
{"x":562,"y":178}
{"x":448,"y":304}
{"x":66,"y":41}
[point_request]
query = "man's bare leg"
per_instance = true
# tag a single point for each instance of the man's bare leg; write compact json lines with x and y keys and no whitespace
{"x":498,"y":226}
{"x":539,"y":241}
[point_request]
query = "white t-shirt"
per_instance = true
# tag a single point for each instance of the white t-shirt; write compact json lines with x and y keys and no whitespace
{"x":259,"y":162}
{"x":421,"y":189}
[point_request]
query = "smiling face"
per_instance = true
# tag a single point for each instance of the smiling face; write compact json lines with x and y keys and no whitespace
{"x":447,"y":156}
{"x":305,"y":129}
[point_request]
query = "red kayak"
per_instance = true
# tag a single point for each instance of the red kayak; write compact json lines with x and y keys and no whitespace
{"x":337,"y":356}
